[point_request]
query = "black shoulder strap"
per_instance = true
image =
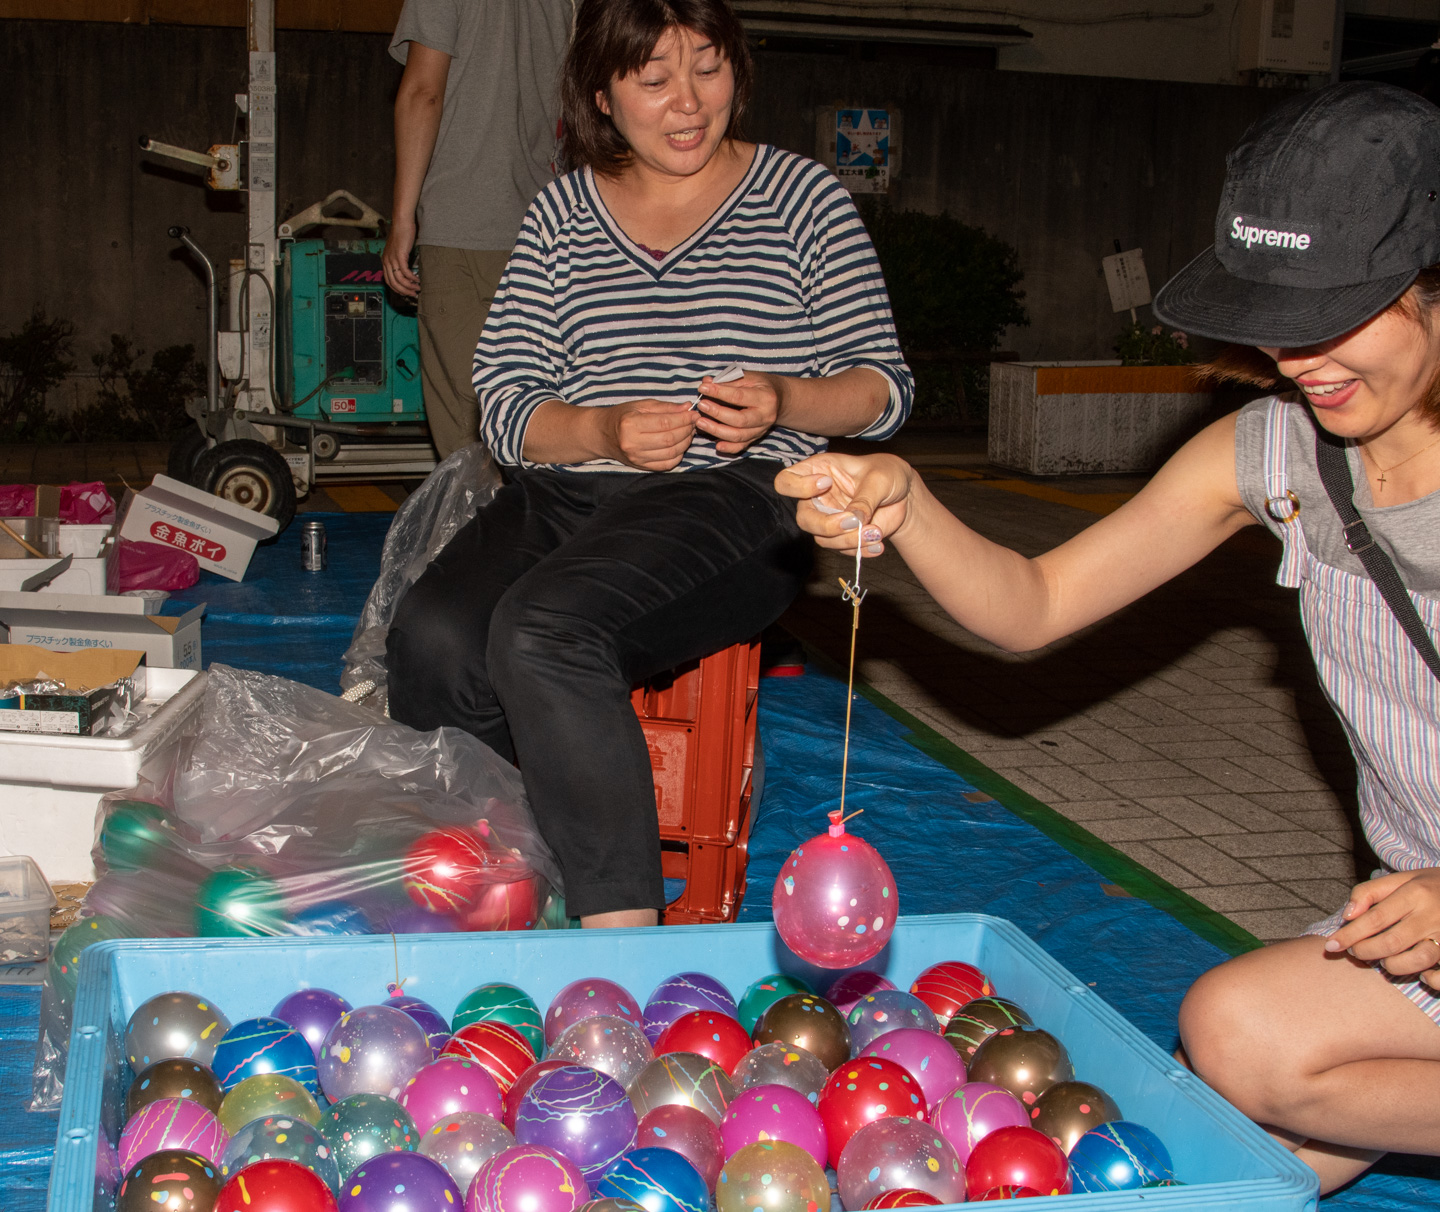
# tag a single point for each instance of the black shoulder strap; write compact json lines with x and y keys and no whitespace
{"x":1334,"y":470}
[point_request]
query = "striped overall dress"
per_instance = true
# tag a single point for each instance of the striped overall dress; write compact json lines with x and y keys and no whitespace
{"x":1385,"y":696}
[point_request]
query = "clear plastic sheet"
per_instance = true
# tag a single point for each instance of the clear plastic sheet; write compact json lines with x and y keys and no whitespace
{"x":287,"y":811}
{"x":429,"y":518}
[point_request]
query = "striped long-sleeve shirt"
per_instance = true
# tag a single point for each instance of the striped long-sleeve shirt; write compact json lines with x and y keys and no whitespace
{"x":782,"y":278}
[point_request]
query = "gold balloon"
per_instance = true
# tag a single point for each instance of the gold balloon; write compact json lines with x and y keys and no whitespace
{"x":1068,"y":1110}
{"x":174,"y":1078}
{"x":173,"y":1180}
{"x":266,"y":1094}
{"x":806,"y":1021}
{"x":1024,"y":1060}
{"x":684,"y":1079}
{"x":771,"y":1176}
{"x":977,"y":1021}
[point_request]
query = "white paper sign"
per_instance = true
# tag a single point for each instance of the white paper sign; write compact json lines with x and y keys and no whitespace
{"x":1127,"y":280}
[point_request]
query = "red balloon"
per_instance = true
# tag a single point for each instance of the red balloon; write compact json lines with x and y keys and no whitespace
{"x":505,"y":906}
{"x":1010,"y":1192}
{"x":522,"y":1083}
{"x":904,"y":1197}
{"x":275,"y":1185}
{"x":716,"y":1037}
{"x":1017,"y":1157}
{"x":496,"y":1047}
{"x":444,"y":870}
{"x":862,"y":1091}
{"x":947,"y":986}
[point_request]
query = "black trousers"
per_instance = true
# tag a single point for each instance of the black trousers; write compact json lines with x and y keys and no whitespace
{"x":533,"y":624}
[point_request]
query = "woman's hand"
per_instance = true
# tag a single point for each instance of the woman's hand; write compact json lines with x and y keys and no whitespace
{"x":1395,"y":919}
{"x":840,"y":494}
{"x":648,"y":434}
{"x":738,"y":413}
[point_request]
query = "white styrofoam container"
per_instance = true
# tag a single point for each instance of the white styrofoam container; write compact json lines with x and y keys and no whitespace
{"x":50,"y":786}
{"x":86,"y":576}
{"x":84,"y":540}
{"x":1046,"y":419}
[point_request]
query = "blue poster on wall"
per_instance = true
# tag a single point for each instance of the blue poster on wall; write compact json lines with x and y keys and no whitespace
{"x":862,"y":149}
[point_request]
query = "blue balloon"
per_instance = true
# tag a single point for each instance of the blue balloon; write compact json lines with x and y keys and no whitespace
{"x":1119,"y":1156}
{"x":659,"y":1180}
{"x":264,"y":1045}
{"x":331,"y":917}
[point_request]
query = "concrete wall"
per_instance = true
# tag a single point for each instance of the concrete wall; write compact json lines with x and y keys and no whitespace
{"x":1057,"y":165}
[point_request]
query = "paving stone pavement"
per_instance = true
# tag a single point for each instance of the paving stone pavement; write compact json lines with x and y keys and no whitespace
{"x":1188,"y":730}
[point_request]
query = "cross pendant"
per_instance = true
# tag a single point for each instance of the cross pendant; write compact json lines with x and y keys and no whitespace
{"x":1382,"y":481}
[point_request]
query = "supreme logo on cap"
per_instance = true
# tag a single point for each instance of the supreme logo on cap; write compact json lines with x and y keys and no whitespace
{"x":1253,"y":232}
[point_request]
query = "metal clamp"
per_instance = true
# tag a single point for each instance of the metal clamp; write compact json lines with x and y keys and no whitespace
{"x":1362,"y":540}
{"x":1289,"y":498}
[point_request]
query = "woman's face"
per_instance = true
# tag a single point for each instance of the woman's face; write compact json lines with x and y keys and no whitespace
{"x":1362,"y":383}
{"x":675,"y":110}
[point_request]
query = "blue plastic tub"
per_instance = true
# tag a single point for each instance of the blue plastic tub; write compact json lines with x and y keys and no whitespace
{"x":1226,"y":1161}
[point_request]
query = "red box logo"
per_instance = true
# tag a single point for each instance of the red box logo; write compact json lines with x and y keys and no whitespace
{"x":196,"y":545}
{"x":343,"y":405}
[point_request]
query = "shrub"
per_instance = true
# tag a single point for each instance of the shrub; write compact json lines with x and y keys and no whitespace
{"x":32,"y":361}
{"x":135,"y":403}
{"x":1141,"y":346}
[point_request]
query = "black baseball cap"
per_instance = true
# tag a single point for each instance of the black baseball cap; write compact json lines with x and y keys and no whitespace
{"x":1329,"y":211}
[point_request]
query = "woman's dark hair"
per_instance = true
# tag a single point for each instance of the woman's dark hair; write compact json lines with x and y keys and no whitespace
{"x":1246,"y":366}
{"x":616,"y":37}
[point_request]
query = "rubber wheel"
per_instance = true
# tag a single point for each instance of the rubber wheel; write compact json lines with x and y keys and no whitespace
{"x":251,"y":474}
{"x":185,"y":452}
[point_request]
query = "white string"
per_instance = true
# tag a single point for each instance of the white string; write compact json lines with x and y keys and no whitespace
{"x":854,"y":594}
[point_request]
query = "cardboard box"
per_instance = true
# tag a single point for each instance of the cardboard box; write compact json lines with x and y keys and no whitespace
{"x":64,"y":622}
{"x":218,"y":533}
{"x":92,"y":680}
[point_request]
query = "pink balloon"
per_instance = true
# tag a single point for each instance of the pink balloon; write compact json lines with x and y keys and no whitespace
{"x":851,"y":987}
{"x":835,"y":900}
{"x":172,"y":1123}
{"x":449,"y":1085}
{"x":585,"y":998}
{"x":774,"y":1113}
{"x":528,"y":1177}
{"x":968,"y":1115}
{"x":687,"y":1132}
{"x":928,"y":1058}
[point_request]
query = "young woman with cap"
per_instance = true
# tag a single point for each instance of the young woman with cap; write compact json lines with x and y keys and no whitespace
{"x":1325,"y":243}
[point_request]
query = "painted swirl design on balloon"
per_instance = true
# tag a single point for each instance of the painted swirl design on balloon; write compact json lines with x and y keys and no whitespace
{"x":264,"y":1045}
{"x":678,"y":995}
{"x":172,"y":1123}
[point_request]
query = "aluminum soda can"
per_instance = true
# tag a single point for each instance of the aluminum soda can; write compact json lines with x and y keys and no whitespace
{"x":312,"y":546}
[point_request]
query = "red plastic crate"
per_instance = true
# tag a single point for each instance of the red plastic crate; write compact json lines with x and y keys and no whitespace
{"x":699,"y":722}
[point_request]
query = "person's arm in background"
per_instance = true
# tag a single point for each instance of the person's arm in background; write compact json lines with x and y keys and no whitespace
{"x":418,"y":106}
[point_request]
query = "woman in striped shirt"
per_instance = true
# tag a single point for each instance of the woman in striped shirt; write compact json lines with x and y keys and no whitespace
{"x":639,"y":527}
{"x":1329,"y":1042}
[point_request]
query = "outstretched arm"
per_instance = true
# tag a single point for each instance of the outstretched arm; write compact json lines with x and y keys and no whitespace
{"x":418,"y":106}
{"x":1189,"y":508}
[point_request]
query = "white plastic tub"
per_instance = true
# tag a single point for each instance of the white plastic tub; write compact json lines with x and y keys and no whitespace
{"x":25,"y":904}
{"x":50,"y":786}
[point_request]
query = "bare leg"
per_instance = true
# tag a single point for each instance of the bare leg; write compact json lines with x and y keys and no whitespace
{"x":621,"y":917}
{"x":1338,"y":1063}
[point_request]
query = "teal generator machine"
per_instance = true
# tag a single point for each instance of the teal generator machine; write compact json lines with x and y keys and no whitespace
{"x":349,"y":355}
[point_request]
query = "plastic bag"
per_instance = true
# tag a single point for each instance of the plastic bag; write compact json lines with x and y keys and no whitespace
{"x":429,"y":518}
{"x":287,"y":811}
{"x":83,"y":503}
{"x":153,"y":566}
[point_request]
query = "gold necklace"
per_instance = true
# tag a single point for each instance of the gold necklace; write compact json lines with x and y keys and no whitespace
{"x":1384,"y":470}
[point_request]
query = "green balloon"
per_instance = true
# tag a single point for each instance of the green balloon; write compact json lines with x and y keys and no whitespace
{"x":238,"y":902}
{"x":502,"y":1003}
{"x":764,"y":992}
{"x":132,"y":832}
{"x":365,"y":1125}
{"x":65,"y":962}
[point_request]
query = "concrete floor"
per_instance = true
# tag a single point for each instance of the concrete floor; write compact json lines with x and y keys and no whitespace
{"x":1187,"y":731}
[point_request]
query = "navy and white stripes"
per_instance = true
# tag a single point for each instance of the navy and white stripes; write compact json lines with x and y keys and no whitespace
{"x":782,"y":278}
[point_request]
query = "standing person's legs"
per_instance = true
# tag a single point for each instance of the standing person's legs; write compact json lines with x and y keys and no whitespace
{"x":457,"y":286}
{"x":668,"y":569}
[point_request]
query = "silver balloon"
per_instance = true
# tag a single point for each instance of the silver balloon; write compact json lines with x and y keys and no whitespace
{"x":781,"y":1064}
{"x":372,"y":1050}
{"x":464,"y":1142}
{"x":605,"y":1042}
{"x":683,"y":1079}
{"x":174,"y":1024}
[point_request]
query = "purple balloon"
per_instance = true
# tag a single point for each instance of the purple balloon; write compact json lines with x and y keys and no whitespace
{"x":172,"y":1123}
{"x":312,"y":1012}
{"x":688,"y":1132}
{"x":581,"y":1113}
{"x":585,"y":999}
{"x":437,"y":1030}
{"x":851,"y":987}
{"x":449,"y":1085}
{"x":875,"y":1014}
{"x":528,"y":1176}
{"x":925,"y":1056}
{"x":774,"y":1113}
{"x":682,"y":993}
{"x":966,"y":1116}
{"x":399,"y":1182}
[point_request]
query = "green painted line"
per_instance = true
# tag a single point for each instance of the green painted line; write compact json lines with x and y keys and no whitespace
{"x":1115,"y":865}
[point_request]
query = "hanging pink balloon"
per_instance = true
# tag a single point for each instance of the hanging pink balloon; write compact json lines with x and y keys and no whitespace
{"x":835,"y":900}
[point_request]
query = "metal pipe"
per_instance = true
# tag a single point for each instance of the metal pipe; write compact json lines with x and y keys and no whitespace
{"x":360,"y":429}
{"x":212,"y":372}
